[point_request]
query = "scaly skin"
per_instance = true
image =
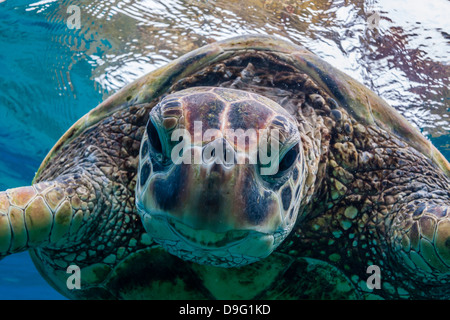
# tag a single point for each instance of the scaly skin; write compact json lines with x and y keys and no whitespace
{"x":117,"y":258}
{"x":382,"y":203}
{"x":45,"y":214}
{"x":108,"y":158}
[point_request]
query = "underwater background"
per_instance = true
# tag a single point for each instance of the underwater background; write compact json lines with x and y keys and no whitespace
{"x":51,"y":75}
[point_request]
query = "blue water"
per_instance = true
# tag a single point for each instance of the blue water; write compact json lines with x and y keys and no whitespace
{"x":37,"y":105}
{"x":51,"y":75}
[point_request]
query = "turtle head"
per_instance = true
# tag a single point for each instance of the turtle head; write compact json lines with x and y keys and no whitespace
{"x":221,"y":174}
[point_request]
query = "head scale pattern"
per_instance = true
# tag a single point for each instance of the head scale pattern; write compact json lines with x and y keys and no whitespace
{"x":216,"y":212}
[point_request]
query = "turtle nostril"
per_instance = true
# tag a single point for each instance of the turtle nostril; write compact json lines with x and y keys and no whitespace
{"x":208,"y":154}
{"x":229,"y":154}
{"x":220,"y":152}
{"x":153,"y":136}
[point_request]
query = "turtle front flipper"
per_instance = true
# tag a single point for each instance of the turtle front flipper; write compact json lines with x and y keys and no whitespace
{"x":420,"y":237}
{"x":42,"y":214}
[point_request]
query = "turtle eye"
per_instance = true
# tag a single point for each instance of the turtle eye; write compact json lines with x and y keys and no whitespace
{"x":284,"y":165}
{"x":153,"y":136}
{"x":288,"y":159}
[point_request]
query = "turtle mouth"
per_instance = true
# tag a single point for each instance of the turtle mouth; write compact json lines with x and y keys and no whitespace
{"x":232,"y":248}
{"x":206,"y":238}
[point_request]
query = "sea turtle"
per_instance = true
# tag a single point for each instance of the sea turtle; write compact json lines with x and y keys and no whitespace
{"x":353,"y":195}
